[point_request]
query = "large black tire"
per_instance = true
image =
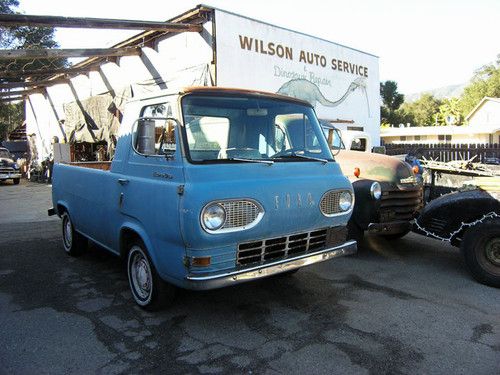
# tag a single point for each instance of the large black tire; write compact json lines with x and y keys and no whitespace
{"x":148,"y":290}
{"x":16,"y":181}
{"x":395,"y":236}
{"x":481,"y":250}
{"x":73,"y":242}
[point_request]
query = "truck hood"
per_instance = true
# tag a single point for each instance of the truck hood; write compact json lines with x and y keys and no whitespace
{"x":5,"y":162}
{"x":289,"y":193}
{"x":382,"y":168}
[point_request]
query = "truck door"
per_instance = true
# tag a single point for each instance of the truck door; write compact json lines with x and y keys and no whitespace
{"x":147,"y":192}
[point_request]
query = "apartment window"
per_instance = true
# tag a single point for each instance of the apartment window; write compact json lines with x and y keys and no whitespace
{"x":417,"y":138}
{"x":402,"y":138}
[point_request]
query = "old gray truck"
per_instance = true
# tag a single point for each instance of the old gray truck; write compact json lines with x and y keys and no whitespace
{"x":388,"y":195}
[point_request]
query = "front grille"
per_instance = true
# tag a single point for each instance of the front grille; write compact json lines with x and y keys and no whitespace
{"x":240,"y":213}
{"x":259,"y":252}
{"x":6,"y":170}
{"x":400,"y":204}
{"x":329,"y":204}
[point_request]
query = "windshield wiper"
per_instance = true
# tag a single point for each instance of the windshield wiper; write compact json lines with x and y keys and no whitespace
{"x":268,"y":162}
{"x":294,"y":154}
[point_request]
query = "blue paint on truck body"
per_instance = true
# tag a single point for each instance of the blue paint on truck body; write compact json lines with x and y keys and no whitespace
{"x":160,"y":196}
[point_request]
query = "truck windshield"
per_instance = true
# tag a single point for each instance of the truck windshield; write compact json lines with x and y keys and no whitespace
{"x":251,"y":129}
{"x":4,"y":154}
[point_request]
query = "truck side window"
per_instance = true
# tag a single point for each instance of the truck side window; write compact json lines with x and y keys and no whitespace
{"x":155,"y":135}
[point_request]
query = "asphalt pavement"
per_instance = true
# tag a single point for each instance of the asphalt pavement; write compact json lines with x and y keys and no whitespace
{"x":402,"y":307}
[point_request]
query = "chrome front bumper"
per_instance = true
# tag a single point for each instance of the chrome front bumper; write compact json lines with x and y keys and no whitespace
{"x":391,"y":227}
{"x":202,"y":282}
{"x":9,"y":175}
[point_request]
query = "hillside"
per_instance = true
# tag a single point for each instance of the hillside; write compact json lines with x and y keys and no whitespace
{"x":439,"y":93}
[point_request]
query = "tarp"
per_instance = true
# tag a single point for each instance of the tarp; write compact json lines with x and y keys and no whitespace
{"x":95,"y":119}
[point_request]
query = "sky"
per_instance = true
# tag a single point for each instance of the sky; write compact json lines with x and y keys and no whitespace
{"x":422,"y":44}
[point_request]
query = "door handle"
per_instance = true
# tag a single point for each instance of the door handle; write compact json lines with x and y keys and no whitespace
{"x":122,"y":181}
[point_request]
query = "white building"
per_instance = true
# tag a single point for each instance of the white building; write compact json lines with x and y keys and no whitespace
{"x":483,"y":128}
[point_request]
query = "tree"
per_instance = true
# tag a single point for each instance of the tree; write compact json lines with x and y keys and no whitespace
{"x":423,"y":111}
{"x":486,"y":82}
{"x":450,"y":112}
{"x":391,"y":100}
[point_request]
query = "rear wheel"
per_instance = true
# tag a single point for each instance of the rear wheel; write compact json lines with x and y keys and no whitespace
{"x":73,"y":242}
{"x":481,"y":250}
{"x":149,"y":291}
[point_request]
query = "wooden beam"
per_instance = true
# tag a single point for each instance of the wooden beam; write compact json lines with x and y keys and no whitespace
{"x":45,"y":72}
{"x":4,"y":94}
{"x":7,"y":85}
{"x":8,"y":20}
{"x":10,"y":54}
{"x":13,"y":99}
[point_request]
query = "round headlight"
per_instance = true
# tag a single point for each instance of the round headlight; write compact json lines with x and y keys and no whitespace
{"x":376,"y":190}
{"x":15,"y":166}
{"x":213,"y":217}
{"x":345,"y":200}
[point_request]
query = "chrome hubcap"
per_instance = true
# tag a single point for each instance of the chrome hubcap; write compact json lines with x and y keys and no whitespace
{"x":68,"y":235}
{"x":140,"y":273}
{"x":492,"y":250}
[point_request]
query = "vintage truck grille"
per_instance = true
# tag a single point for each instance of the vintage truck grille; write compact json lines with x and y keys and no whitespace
{"x":6,"y":170}
{"x":400,"y":204}
{"x":240,"y":213}
{"x":329,"y":204}
{"x":258,"y":252}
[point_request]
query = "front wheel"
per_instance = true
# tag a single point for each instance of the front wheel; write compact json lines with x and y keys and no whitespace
{"x":16,"y":181}
{"x":481,"y":250}
{"x":73,"y":242}
{"x":149,"y":291}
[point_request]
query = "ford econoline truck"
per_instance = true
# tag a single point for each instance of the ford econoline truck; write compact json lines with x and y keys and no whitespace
{"x":209,"y":187}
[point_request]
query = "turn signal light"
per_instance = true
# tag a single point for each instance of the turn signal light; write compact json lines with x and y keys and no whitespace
{"x":357,"y":172}
{"x":200,"y":261}
{"x":415,"y":169}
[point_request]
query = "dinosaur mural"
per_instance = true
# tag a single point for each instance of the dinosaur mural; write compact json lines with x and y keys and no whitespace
{"x":308,"y":91}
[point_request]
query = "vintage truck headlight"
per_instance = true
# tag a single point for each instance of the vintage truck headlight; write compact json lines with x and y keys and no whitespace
{"x":376,"y":190}
{"x":213,"y":216}
{"x":345,"y":200}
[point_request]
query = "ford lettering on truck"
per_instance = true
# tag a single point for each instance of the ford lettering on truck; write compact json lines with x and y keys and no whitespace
{"x":208,"y":188}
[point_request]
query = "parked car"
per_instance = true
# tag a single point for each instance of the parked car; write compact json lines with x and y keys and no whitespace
{"x":387,"y":193}
{"x":9,"y":170}
{"x":469,"y":219}
{"x":208,"y":188}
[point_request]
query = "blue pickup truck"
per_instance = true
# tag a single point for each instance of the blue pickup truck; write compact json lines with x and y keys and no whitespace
{"x":209,"y":187}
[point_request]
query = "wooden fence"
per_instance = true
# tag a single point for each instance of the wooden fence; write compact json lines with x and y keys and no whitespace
{"x":448,"y":152}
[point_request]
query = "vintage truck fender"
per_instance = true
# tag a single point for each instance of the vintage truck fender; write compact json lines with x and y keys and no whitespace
{"x":448,"y":216}
{"x":366,"y":208}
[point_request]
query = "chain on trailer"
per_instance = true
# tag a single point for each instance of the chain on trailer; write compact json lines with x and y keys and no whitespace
{"x":462,"y":226}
